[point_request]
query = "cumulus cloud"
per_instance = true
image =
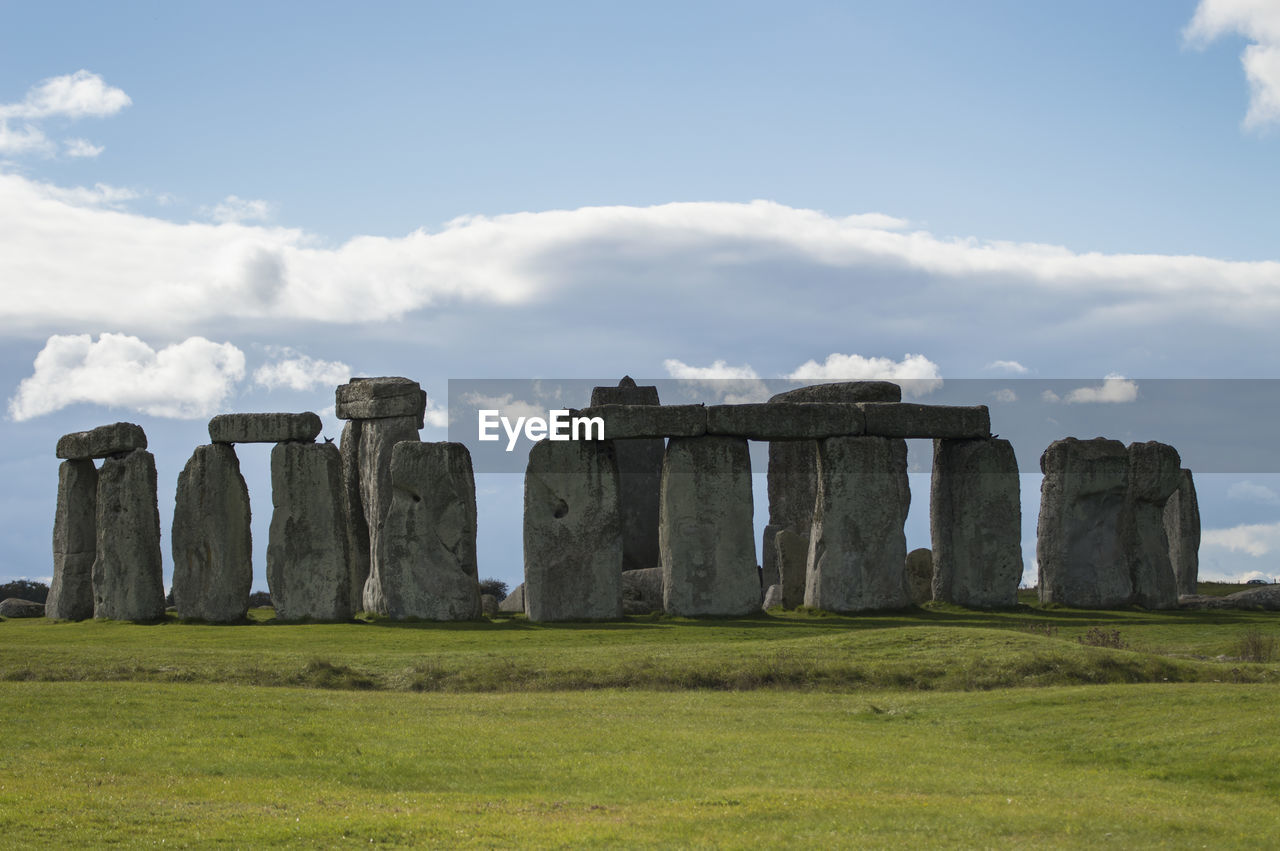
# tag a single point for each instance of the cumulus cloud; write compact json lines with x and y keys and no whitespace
{"x":297,"y":371}
{"x":917,"y":374}
{"x":1255,"y":539}
{"x":1009,"y":366}
{"x":1004,"y":394}
{"x":70,"y":96}
{"x":234,"y":210}
{"x":1259,"y":22}
{"x":1247,"y":491}
{"x":81,"y":148}
{"x":187,"y":380}
{"x":506,"y":403}
{"x":1115,"y":389}
{"x":732,"y":385}
{"x":436,"y":415}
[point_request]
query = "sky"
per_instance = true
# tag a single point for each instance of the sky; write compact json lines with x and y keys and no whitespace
{"x":217,"y":207}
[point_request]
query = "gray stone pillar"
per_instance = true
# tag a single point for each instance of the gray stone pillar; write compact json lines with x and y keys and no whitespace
{"x":639,"y":478}
{"x":75,"y":540}
{"x":308,"y":563}
{"x":572,"y":532}
{"x":427,"y":547}
{"x":705,"y":529}
{"x":791,"y":550}
{"x":975,"y":519}
{"x":1154,"y":474}
{"x":212,"y":541}
{"x":128,"y":583}
{"x":1182,"y":527}
{"x":858,"y":549}
{"x":1078,"y":545}
{"x":353,"y":505}
{"x":919,"y":569}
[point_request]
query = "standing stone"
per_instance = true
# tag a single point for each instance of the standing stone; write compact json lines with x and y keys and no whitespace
{"x":1154,"y":474}
{"x":792,"y":558}
{"x":642,"y":591}
{"x":513,"y":603}
{"x":772,"y":598}
{"x":793,"y":464}
{"x":353,"y":506}
{"x":858,"y":549}
{"x":1182,"y":527}
{"x":572,"y":532}
{"x":377,"y":439}
{"x":75,"y":540}
{"x":639,"y":478}
{"x":308,"y":568}
{"x":705,"y":529}
{"x":127,"y":580}
{"x":975,"y":517}
{"x":212,"y":541}
{"x":427,"y":548}
{"x":1078,"y":546}
{"x":920,"y":575}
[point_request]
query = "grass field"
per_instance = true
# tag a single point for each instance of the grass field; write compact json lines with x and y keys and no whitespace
{"x":934,"y":727}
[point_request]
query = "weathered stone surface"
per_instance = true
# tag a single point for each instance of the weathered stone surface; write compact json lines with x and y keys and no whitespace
{"x":102,"y":441}
{"x":1078,"y":546}
{"x":264,"y":428}
{"x":642,"y":591}
{"x":1264,"y":598}
{"x":636,"y":421}
{"x":377,"y":438}
{"x":1182,"y":527}
{"x":785,"y":420}
{"x":426,"y":560}
{"x":769,"y":555}
{"x":127,"y":578}
{"x":513,"y":603}
{"x":843,"y":391}
{"x":1154,"y":474}
{"x":705,"y":528}
{"x":488,"y":605}
{"x":639,"y":478}
{"x":308,"y":568}
{"x":12,"y":607}
{"x":858,"y":550}
{"x":975,"y":518}
{"x":938,"y":421}
{"x":792,"y":558}
{"x":212,"y":542}
{"x":919,"y":569}
{"x":353,"y":507}
{"x":379,"y":398}
{"x":75,"y":541}
{"x":772,"y":598}
{"x":572,"y":532}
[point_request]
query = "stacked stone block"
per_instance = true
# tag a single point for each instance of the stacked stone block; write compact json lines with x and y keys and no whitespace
{"x":639,"y":477}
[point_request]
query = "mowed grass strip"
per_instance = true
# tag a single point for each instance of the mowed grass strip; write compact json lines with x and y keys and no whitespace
{"x":937,"y":648}
{"x":145,"y":764}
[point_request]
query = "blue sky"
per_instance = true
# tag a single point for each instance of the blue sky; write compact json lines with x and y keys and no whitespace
{"x":216,"y":207}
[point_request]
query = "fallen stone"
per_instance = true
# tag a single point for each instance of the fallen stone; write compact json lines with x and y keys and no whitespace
{"x":785,"y":420}
{"x":843,"y":391}
{"x":572,"y":532}
{"x":212,"y":541}
{"x":307,"y":549}
{"x":1155,"y":472}
{"x":380,"y":398}
{"x":264,"y":428}
{"x":513,"y":603}
{"x":919,"y":569}
{"x":102,"y":442}
{"x":75,"y":542}
{"x":792,"y":557}
{"x":353,"y":509}
{"x":426,"y":561}
{"x":705,"y":529}
{"x":127,"y":577}
{"x":1078,"y":546}
{"x":975,"y":518}
{"x":772,"y":598}
{"x":1265,"y":598}
{"x":377,"y":438}
{"x":642,"y":591}
{"x":639,"y":478}
{"x":908,"y":419}
{"x":12,"y":607}
{"x":637,"y":421}
{"x":488,"y":605}
{"x":1182,"y":528}
{"x":858,"y":550}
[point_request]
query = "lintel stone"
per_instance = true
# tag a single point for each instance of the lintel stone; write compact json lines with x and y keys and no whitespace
{"x":264,"y":428}
{"x":909,"y":420}
{"x":380,"y":398}
{"x":786,"y":420}
{"x":629,"y":421}
{"x":101,"y":442}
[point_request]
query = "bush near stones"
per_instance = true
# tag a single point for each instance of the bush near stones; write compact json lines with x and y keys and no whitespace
{"x":496,"y":587}
{"x":25,"y":589}
{"x":260,"y":600}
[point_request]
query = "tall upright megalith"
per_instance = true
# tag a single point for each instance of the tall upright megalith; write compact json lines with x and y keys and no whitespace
{"x":75,"y":540}
{"x":353,"y":507}
{"x":307,"y":548}
{"x":975,"y":520}
{"x":427,"y":557}
{"x":128,"y":583}
{"x":639,"y":477}
{"x":857,"y":548}
{"x":1155,"y":472}
{"x":1182,"y":527}
{"x":572,"y":532}
{"x":705,"y":531}
{"x":212,"y":541}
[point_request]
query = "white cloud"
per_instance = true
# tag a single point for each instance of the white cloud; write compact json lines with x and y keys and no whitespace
{"x":186,"y":380}
{"x":1004,"y":394}
{"x":70,"y":96}
{"x":732,"y":385}
{"x":1114,"y":389}
{"x":1255,"y":539}
{"x":1252,"y":492}
{"x":27,"y":140}
{"x":299,"y":372}
{"x":436,"y":416}
{"x":506,"y":403}
{"x":1259,"y":22}
{"x":81,"y":148}
{"x":234,"y":210}
{"x":1010,"y":366}
{"x":718,"y":370}
{"x":917,"y":374}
